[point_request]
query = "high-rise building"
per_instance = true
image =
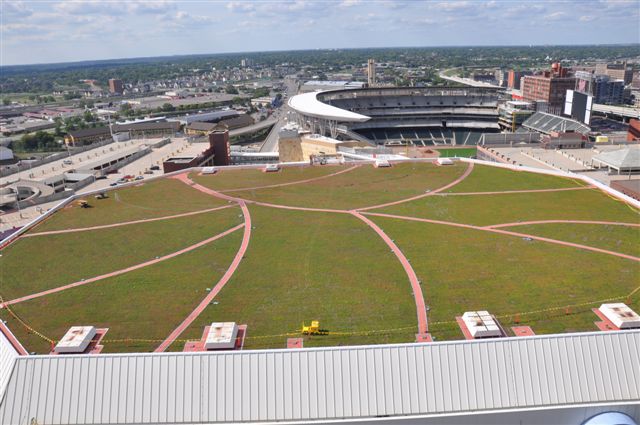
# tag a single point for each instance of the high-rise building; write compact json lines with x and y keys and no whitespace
{"x":604,"y":89}
{"x":115,"y":86}
{"x":617,"y":71}
{"x":219,"y":140}
{"x":502,"y":77}
{"x":371,"y":72}
{"x":550,"y":87}
{"x":514,"y":77}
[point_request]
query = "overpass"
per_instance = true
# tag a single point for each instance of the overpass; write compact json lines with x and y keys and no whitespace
{"x":468,"y":82}
{"x":621,"y":111}
{"x":253,"y":128}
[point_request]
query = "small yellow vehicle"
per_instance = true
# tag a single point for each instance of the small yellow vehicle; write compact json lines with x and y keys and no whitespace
{"x":82,"y":203}
{"x":313,"y":329}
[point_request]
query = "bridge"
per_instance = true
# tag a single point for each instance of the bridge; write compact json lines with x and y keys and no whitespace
{"x":621,"y":111}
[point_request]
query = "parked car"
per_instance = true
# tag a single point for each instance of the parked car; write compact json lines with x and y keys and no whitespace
{"x":139,"y":178}
{"x":155,"y":167}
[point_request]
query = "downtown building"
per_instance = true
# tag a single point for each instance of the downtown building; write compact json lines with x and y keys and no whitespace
{"x":603,"y":88}
{"x":548,"y":89}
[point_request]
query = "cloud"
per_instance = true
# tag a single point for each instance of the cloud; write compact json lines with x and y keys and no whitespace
{"x":555,"y":16}
{"x":15,"y":10}
{"x":587,"y":18}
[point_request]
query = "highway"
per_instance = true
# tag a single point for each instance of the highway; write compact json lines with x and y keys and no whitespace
{"x":281,"y":114}
{"x":467,"y":81}
{"x":253,"y":127}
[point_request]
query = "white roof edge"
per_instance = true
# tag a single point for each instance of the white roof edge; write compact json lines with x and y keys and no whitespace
{"x":308,"y":104}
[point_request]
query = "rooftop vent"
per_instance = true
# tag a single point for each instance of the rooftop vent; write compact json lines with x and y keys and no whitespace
{"x":221,"y":336}
{"x":481,"y":324}
{"x":621,"y":315}
{"x":76,"y":340}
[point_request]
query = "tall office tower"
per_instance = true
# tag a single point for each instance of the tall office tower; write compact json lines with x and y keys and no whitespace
{"x":371,"y":72}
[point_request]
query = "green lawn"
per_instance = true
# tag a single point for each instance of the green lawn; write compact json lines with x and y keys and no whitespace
{"x":362,"y":187}
{"x":466,"y":269}
{"x":485,"y":178}
{"x":42,"y":262}
{"x":145,"y":304}
{"x":459,"y":152}
{"x":151,"y":199}
{"x":624,"y":239}
{"x":238,"y":178}
{"x":507,"y":208}
{"x":303,"y":266}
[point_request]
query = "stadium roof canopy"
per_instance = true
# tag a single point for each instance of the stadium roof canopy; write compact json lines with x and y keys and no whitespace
{"x":309,"y":105}
{"x":622,"y":160}
{"x":547,"y":123}
{"x":321,"y":384}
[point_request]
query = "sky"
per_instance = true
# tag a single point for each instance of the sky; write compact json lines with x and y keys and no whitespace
{"x":73,"y":30}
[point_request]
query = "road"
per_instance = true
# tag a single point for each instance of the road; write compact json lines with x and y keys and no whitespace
{"x":281,"y":114}
{"x":253,"y":127}
{"x":467,"y":81}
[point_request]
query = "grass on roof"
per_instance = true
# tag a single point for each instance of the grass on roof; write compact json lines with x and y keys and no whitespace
{"x":483,"y":210}
{"x":362,"y":187}
{"x":623,"y":239}
{"x":303,"y":266}
{"x":42,"y":262}
{"x":485,"y":178}
{"x":150,"y":199}
{"x":465,"y":270}
{"x":244,"y":178}
{"x":144,"y":305}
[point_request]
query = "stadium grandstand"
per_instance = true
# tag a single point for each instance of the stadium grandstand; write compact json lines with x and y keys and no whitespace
{"x":427,"y":116}
{"x":545,"y":123}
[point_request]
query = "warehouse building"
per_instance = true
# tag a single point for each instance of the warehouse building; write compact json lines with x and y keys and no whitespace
{"x":549,"y":379}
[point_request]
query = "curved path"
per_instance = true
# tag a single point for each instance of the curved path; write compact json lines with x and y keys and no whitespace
{"x":506,"y":232}
{"x":424,"y":195}
{"x":216,"y":289}
{"x":125,"y":223}
{"x":291,"y":183}
{"x":423,"y":326}
{"x":185,"y":179}
{"x":509,"y":192}
{"x":525,"y":223}
{"x":123,"y":271}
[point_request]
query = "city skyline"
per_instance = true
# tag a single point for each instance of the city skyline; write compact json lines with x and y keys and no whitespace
{"x":48,"y":32}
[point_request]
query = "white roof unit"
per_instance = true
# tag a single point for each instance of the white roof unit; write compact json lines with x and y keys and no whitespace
{"x":209,"y":170}
{"x":221,"y":335}
{"x":621,"y":315}
{"x":382,"y":163}
{"x":481,"y":324}
{"x":76,"y":340}
{"x":444,"y":161}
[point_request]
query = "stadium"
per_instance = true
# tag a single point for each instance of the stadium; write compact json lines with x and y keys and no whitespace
{"x":423,"y":116}
{"x":417,"y":293}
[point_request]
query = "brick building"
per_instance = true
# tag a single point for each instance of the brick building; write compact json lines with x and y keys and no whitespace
{"x":550,"y":87}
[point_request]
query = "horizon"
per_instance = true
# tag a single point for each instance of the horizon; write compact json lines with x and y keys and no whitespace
{"x":80,"y":31}
{"x":230,"y":53}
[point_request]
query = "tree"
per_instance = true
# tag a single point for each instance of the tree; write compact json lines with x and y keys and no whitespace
{"x":40,"y":140}
{"x":167,"y":107}
{"x":230,"y":89}
{"x":58,"y":128}
{"x":88,"y":116}
{"x":6,"y":101}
